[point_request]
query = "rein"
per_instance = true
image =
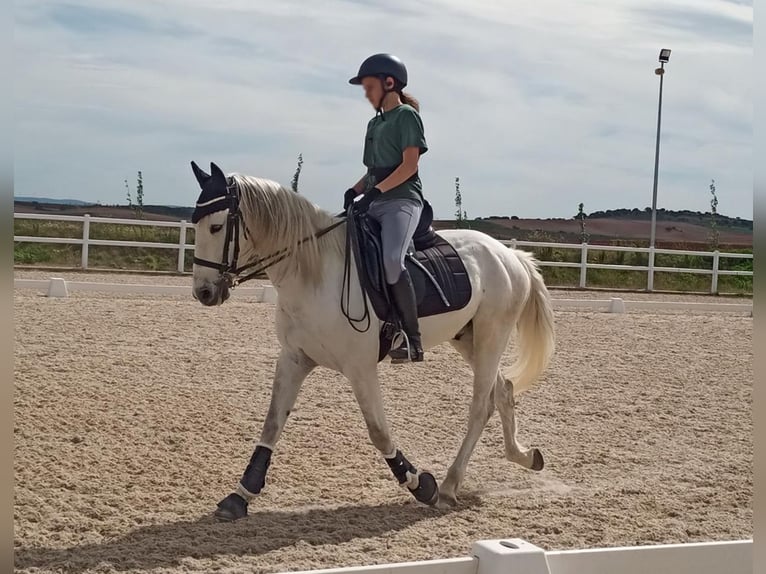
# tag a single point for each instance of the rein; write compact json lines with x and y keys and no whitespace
{"x":280,"y":255}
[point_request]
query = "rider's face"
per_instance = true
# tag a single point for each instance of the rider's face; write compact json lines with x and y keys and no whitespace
{"x":373,"y":89}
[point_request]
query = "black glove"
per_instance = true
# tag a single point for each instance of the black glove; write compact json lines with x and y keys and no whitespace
{"x":348,"y":198}
{"x":363,"y":204}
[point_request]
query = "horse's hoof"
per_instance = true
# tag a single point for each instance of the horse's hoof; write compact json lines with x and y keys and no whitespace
{"x":537,"y":460}
{"x":427,"y":491}
{"x":231,"y":508}
{"x":446,"y":502}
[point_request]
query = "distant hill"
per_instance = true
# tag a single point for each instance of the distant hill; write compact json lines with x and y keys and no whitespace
{"x":675,"y":229}
{"x":52,"y":200}
{"x":152,"y":212}
{"x":686,"y":216}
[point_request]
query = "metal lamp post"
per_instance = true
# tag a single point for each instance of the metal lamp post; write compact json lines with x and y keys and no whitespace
{"x":664,"y":58}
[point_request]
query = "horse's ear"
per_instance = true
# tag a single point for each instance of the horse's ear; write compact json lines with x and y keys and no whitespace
{"x":201,"y":176}
{"x":216,"y":172}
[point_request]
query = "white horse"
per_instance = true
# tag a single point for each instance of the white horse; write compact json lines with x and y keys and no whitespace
{"x":248,"y":218}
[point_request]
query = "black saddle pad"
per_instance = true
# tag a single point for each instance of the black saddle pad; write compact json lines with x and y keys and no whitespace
{"x":438,"y":275}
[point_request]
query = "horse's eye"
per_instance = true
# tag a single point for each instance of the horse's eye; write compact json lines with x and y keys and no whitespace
{"x":215,"y":228}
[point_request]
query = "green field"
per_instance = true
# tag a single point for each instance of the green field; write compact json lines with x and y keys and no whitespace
{"x":100,"y":257}
{"x":608,"y":278}
{"x":152,"y":259}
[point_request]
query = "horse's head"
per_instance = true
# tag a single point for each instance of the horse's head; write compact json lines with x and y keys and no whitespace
{"x":217,"y":236}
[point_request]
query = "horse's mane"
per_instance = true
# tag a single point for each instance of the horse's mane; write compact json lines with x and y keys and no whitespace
{"x":277,"y":218}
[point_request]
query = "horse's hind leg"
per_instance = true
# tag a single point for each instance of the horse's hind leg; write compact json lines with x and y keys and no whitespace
{"x":485,"y":360}
{"x":530,"y":458}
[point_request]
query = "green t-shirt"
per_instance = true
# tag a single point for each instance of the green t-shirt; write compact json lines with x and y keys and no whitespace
{"x":385,"y":142}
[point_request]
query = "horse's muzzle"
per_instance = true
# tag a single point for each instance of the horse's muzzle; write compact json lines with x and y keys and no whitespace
{"x":212,"y":294}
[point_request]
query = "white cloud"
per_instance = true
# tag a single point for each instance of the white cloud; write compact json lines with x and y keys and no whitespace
{"x":536,"y":106}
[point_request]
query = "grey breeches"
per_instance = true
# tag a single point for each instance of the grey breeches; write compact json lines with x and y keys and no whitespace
{"x":398,"y":220}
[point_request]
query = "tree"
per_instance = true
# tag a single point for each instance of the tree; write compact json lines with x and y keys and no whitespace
{"x":584,"y":236}
{"x":127,"y":187}
{"x":140,"y":196}
{"x":461,"y":217}
{"x":297,"y":173}
{"x":137,"y":207}
{"x":714,"y":235}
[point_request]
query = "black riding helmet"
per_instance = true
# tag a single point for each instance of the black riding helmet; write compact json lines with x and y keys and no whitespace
{"x":382,"y":65}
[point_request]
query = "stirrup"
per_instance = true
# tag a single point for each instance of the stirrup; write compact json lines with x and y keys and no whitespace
{"x":404,"y":352}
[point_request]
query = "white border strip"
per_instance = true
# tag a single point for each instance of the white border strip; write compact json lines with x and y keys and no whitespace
{"x":518,"y":556}
{"x":267,"y":294}
{"x":618,"y":305}
{"x":132,"y":288}
{"x":445,"y":566}
{"x":730,"y":557}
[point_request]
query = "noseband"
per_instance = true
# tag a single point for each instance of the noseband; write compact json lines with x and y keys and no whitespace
{"x":229,"y":272}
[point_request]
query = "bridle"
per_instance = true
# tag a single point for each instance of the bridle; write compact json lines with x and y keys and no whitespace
{"x":229,"y":271}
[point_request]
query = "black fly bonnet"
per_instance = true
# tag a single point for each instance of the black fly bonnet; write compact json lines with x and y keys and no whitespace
{"x":219,"y":193}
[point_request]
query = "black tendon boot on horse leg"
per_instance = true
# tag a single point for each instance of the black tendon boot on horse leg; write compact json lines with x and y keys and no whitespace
{"x":404,"y":297}
{"x":234,"y":506}
{"x":422,"y":485}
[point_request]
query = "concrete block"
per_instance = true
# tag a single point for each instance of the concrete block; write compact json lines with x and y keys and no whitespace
{"x":269,"y":294}
{"x":616,"y":305}
{"x":57,"y":288}
{"x":511,"y":555}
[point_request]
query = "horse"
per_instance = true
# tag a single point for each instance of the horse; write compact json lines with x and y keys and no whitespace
{"x":304,"y":252}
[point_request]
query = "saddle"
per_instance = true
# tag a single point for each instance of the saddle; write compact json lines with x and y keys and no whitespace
{"x":438,"y":274}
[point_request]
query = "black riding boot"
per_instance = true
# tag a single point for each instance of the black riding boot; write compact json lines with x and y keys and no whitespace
{"x":404,"y":297}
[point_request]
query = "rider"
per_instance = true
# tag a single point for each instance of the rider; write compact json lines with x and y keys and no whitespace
{"x":391,"y":187}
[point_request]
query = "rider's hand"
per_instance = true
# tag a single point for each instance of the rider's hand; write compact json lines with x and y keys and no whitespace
{"x":348,"y":198}
{"x":363,"y":204}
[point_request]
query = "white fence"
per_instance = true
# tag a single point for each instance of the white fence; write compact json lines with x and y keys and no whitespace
{"x":715,"y":272}
{"x":85,"y":241}
{"x":516,"y":556}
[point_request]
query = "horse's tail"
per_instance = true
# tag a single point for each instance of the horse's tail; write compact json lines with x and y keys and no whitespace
{"x":536,"y":335}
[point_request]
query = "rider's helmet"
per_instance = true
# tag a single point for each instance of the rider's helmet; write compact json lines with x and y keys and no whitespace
{"x":382,"y":65}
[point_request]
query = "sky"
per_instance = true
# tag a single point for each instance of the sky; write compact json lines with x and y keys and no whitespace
{"x":535,"y":106}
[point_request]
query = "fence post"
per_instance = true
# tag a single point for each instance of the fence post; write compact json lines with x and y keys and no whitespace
{"x":513,"y":243}
{"x":583,"y":265}
{"x":650,"y":280}
{"x":714,"y":282}
{"x":182,"y":247}
{"x":85,"y":237}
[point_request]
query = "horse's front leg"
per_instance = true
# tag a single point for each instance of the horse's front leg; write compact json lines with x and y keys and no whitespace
{"x":292,"y":369}
{"x":422,"y":485}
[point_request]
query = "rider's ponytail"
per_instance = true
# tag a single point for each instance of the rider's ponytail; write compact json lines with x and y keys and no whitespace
{"x":409,"y":100}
